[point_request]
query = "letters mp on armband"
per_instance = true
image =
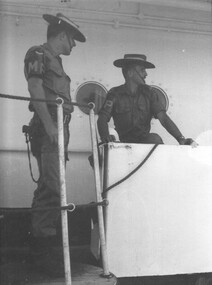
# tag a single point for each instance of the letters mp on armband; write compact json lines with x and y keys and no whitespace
{"x":35,"y":63}
{"x":36,"y":67}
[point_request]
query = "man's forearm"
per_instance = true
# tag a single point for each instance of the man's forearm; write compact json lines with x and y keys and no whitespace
{"x":37,"y":92}
{"x":171,"y":128}
{"x":103,"y":127}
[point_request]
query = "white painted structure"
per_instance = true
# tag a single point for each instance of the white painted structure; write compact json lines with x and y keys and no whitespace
{"x":159,"y":221}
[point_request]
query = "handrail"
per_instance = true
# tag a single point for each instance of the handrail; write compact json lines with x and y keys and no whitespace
{"x":98,"y":193}
{"x":64,"y":207}
{"x":63,"y":199}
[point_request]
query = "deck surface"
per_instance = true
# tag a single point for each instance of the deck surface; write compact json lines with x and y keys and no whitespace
{"x":22,"y":273}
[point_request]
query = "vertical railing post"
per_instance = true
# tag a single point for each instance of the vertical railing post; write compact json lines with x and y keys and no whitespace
{"x":98,"y":192}
{"x":64,"y":216}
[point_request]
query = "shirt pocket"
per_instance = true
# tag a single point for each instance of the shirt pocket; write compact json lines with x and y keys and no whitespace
{"x":123,"y":107}
{"x":57,"y":80}
{"x":123,"y":116}
{"x":143,"y":110}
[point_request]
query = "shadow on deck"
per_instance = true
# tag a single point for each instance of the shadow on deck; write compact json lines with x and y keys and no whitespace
{"x":15,"y":268}
{"x":15,"y":265}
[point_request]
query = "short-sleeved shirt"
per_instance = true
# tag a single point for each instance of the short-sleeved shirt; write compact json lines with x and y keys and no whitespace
{"x":41,"y":62}
{"x":132,"y":114}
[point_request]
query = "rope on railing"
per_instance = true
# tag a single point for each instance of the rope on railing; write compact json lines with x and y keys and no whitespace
{"x":70,"y":207}
{"x":56,"y":101}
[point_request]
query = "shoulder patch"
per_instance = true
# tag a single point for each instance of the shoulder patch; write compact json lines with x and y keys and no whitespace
{"x":108,"y":103}
{"x":34,"y":62}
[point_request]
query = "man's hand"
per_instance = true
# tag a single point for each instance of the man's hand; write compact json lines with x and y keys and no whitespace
{"x":188,"y":141}
{"x":170,"y":126}
{"x":52,"y":132}
{"x":35,"y":87}
{"x":110,"y":138}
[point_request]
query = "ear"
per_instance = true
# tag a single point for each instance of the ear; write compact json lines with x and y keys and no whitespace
{"x":62,"y":35}
{"x":130,"y":72}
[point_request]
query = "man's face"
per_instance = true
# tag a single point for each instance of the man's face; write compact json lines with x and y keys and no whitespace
{"x":139,"y":74}
{"x":68,"y":43}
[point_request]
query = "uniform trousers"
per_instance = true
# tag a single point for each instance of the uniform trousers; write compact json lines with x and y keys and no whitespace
{"x":47,"y":194}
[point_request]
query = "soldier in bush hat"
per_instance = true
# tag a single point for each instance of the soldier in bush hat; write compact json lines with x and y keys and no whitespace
{"x":47,"y":79}
{"x":133,"y":105}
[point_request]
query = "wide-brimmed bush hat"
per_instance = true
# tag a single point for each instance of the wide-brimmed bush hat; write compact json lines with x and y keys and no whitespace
{"x":131,"y":59}
{"x":60,"y":19}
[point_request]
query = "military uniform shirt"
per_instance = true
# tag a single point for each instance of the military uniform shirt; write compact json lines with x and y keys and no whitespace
{"x":132,"y":114}
{"x":40,"y":62}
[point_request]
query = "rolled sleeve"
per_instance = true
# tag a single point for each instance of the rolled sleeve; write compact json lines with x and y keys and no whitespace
{"x":156,"y":104}
{"x":107,"y":108}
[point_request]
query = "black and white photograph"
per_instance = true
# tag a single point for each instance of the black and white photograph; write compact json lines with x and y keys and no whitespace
{"x":106,"y":142}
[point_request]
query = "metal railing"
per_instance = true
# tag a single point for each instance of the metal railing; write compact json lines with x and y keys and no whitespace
{"x":63,"y":195}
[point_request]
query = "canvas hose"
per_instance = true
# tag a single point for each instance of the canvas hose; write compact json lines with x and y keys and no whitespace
{"x":133,"y":171}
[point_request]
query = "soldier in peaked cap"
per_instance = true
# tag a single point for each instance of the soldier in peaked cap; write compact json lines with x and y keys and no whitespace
{"x":133,"y":105}
{"x":47,"y":79}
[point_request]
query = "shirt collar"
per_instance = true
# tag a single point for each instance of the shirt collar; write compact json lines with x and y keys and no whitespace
{"x":126,"y":90}
{"x":49,"y":48}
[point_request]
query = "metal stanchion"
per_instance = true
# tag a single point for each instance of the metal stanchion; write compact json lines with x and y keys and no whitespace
{"x":98,"y":193}
{"x":64,"y":216}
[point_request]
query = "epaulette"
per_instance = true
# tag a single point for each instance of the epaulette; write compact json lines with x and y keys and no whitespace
{"x":37,"y":49}
{"x":115,"y":89}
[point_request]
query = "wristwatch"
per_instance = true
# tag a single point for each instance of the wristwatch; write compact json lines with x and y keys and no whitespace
{"x":181,"y":138}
